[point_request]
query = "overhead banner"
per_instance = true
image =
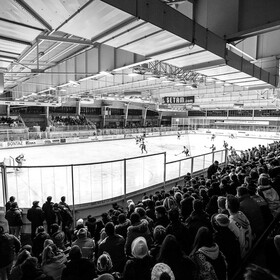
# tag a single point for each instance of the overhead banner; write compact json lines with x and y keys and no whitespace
{"x":177,"y":99}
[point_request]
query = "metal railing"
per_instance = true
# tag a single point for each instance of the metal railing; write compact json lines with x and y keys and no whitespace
{"x":93,"y":182}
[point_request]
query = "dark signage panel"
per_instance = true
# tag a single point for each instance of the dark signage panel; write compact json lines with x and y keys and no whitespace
{"x":178,"y":99}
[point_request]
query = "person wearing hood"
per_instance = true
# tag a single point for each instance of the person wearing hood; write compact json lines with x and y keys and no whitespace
{"x":239,"y":224}
{"x":86,"y":244}
{"x":53,"y":261}
{"x":123,"y":225}
{"x":139,"y":267}
{"x":31,"y":270}
{"x":206,"y":254}
{"x":266,"y":190}
{"x":227,"y":242}
{"x":138,"y":228}
{"x":38,"y":241}
{"x":58,"y":236}
{"x":14,"y":218}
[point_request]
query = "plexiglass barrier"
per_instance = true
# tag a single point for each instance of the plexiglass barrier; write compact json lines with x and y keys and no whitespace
{"x":85,"y":183}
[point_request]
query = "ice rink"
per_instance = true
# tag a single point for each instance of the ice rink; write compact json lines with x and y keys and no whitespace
{"x":100,"y":181}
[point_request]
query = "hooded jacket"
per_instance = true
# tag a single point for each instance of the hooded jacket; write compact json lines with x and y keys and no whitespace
{"x":136,"y":230}
{"x":14,"y":217}
{"x":55,"y":267}
{"x":240,"y":226}
{"x":211,"y":262}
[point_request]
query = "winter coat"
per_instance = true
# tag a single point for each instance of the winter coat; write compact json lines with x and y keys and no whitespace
{"x":253,"y":212}
{"x":195,"y":222}
{"x":38,"y":243}
{"x":9,"y":245}
{"x":134,"y":231}
{"x":229,"y":246}
{"x":138,"y":269}
{"x":114,"y":246}
{"x":36,"y":216}
{"x":81,"y":269}
{"x":240,"y":226}
{"x":58,"y":239}
{"x":85,"y":243}
{"x":211,"y":263}
{"x":14,"y":217}
{"x":49,"y":213}
{"x":55,"y":267}
{"x":121,"y":229}
{"x":271,"y":196}
{"x":182,"y":234}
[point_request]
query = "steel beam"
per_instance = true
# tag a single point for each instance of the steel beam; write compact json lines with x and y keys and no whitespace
{"x":15,"y":40}
{"x":21,"y":24}
{"x":269,"y":27}
{"x":169,"y":50}
{"x":65,"y":40}
{"x":206,"y":65}
{"x":169,"y":19}
{"x":26,"y":7}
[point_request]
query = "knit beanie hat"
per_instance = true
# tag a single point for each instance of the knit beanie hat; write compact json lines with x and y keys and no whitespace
{"x":220,"y":220}
{"x":160,"y":268}
{"x":221,"y":202}
{"x":106,"y":276}
{"x":80,"y":222}
{"x":139,"y":248}
{"x":159,"y":233}
{"x":82,"y":232}
{"x":104,"y":263}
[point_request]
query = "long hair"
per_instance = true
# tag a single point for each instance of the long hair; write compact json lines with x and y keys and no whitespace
{"x":203,"y":238}
{"x":170,"y":251}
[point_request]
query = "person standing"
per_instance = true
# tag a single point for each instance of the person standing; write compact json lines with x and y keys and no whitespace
{"x":14,"y":218}
{"x":63,"y":203}
{"x":9,"y":203}
{"x":9,"y":246}
{"x":186,"y":151}
{"x":212,"y":169}
{"x":143,"y":146}
{"x":49,"y":213}
{"x":36,"y":216}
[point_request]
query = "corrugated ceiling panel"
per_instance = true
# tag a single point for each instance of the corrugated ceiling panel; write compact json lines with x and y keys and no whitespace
{"x":93,"y":20}
{"x":14,"y":12}
{"x":177,"y":52}
{"x":109,"y":34}
{"x":234,"y":75}
{"x":193,"y":59}
{"x":243,"y":80}
{"x":158,"y":42}
{"x":142,"y":31}
{"x":220,"y":70}
{"x":11,"y":46}
{"x":253,"y":83}
{"x":55,"y":12}
{"x":18,"y":32}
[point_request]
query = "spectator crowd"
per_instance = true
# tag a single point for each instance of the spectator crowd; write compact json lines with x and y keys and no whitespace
{"x":199,"y":229}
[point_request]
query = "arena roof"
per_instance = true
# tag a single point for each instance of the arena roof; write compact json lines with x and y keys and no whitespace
{"x":54,"y":50}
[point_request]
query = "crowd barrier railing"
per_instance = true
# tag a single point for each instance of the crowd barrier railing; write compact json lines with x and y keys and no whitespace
{"x":96,"y":182}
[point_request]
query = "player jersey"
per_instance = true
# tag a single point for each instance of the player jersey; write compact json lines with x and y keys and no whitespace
{"x":240,"y":226}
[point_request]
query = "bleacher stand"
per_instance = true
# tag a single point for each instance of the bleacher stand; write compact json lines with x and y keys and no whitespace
{"x":171,"y":233}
